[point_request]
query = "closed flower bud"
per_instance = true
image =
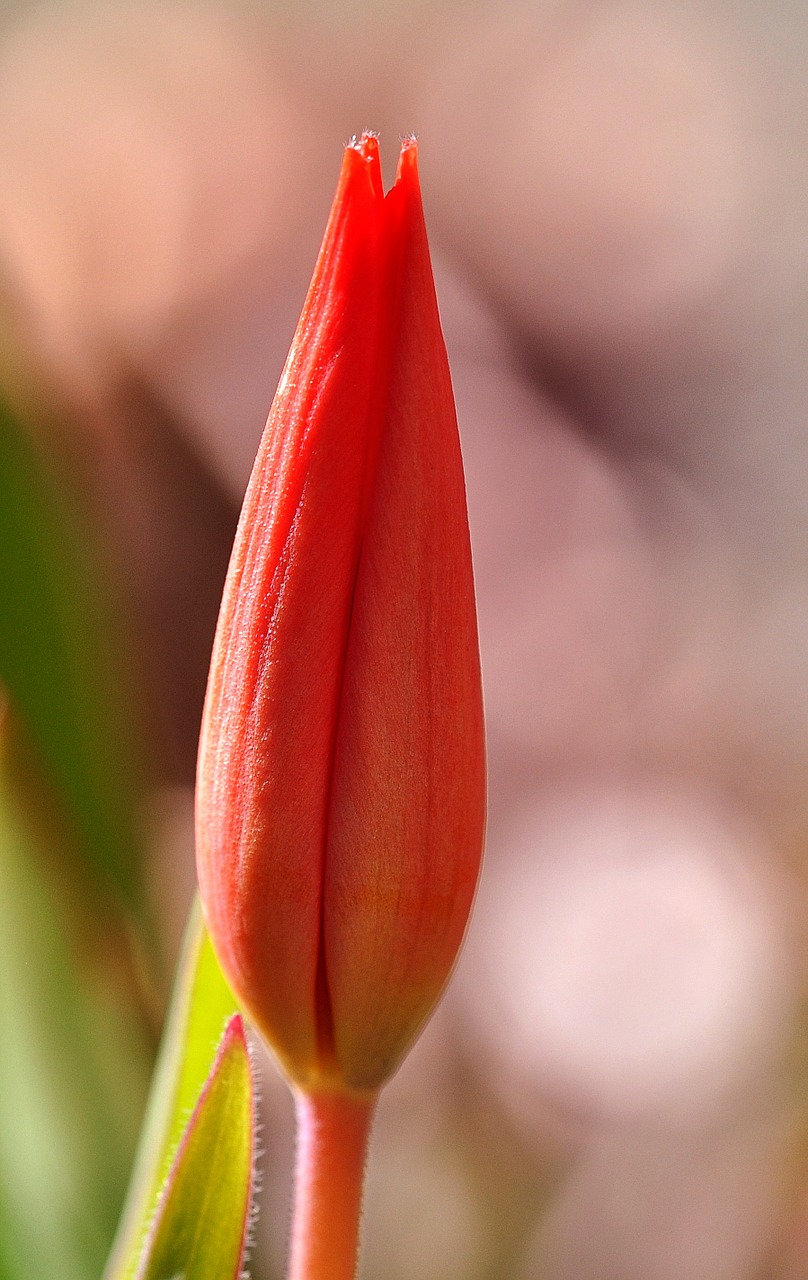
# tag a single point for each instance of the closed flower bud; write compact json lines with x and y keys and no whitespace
{"x":340,"y":797}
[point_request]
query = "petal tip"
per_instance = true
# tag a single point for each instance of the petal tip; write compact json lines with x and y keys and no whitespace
{"x":408,"y":159}
{"x":366,"y":146}
{"x":366,"y":143}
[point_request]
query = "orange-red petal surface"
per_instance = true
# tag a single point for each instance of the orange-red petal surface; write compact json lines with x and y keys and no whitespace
{"x":341,"y":773}
{"x":268,"y":731}
{"x":407,"y":802}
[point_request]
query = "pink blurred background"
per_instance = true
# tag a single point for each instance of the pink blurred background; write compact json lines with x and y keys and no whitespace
{"x":614,"y":1087}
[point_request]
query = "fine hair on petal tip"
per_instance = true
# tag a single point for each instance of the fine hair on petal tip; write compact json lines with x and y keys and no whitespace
{"x":356,"y":139}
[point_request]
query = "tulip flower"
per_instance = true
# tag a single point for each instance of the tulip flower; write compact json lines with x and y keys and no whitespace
{"x":341,"y":780}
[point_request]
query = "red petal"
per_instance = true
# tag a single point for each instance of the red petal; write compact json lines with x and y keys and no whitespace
{"x":268,"y":732}
{"x":408,"y":791}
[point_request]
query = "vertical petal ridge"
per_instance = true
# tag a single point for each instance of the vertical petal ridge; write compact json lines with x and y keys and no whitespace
{"x":407,"y":808}
{"x":268,"y":729}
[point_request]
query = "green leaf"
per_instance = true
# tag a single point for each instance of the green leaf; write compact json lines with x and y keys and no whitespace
{"x":73,"y":1069}
{"x":56,"y":660}
{"x":202,"y":1224}
{"x":201,"y":1005}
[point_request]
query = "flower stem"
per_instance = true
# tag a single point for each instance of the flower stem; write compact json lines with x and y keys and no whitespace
{"x":332,"y":1138}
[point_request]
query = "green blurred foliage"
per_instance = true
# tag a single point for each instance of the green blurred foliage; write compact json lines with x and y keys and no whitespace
{"x":60,"y":663}
{"x":74,"y":925}
{"x":72,"y":1065}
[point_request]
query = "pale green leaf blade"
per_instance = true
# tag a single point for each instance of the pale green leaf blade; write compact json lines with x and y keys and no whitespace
{"x":202,"y":1224}
{"x":201,"y":1005}
{"x":73,"y":1064}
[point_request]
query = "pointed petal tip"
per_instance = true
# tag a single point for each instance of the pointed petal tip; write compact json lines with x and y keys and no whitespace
{"x":366,"y":143}
{"x":365,"y":146}
{"x":408,"y":159}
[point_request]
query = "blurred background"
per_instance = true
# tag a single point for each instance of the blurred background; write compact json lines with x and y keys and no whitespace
{"x":616,"y":1085}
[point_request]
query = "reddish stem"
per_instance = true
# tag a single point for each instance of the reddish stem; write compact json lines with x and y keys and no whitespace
{"x":332,"y":1139}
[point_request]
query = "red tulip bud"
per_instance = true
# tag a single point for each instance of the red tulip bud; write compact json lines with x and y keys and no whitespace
{"x":340,"y":800}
